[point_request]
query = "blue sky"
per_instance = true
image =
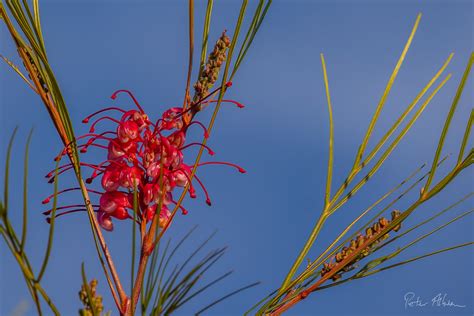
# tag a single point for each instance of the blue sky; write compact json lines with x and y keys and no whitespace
{"x":264,"y":216}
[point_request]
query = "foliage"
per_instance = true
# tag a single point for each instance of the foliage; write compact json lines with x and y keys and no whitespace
{"x":22,"y":20}
{"x":16,"y":244}
{"x":362,"y":245}
{"x":158,"y":286}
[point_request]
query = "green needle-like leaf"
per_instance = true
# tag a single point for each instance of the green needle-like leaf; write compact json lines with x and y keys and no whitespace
{"x":7,"y":173}
{"x":331,"y":135}
{"x":204,"y":288}
{"x":251,"y":32}
{"x":407,"y":111}
{"x":447,"y":123}
{"x":51,"y":225}
{"x":205,"y":36}
{"x":392,"y":146}
{"x":227,"y":296}
{"x":385,"y":94}
{"x":17,"y":70}
{"x":418,"y":258}
{"x":465,"y":138}
{"x":25,"y":193}
{"x":38,"y":21}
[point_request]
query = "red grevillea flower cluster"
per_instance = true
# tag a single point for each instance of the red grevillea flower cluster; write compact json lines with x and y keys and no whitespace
{"x":144,"y":159}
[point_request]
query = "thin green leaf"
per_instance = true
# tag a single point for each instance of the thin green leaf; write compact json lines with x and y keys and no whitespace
{"x":447,"y":123}
{"x":38,"y":21}
{"x":7,"y":173}
{"x":25,"y":192}
{"x":13,"y":238}
{"x":162,"y":293}
{"x":252,"y":31}
{"x":170,"y":289}
{"x":385,"y":94}
{"x":34,"y":25}
{"x":30,"y":17}
{"x":168,"y":259}
{"x":17,"y":12}
{"x":449,"y":177}
{"x":247,"y":37}
{"x":407,"y":111}
{"x":195,"y":252}
{"x":331,"y":135}
{"x":19,"y":41}
{"x":465,"y":138}
{"x":392,"y":146}
{"x":175,"y":294}
{"x":51,"y":225}
{"x":436,"y":229}
{"x":417,"y":258}
{"x":205,"y":287}
{"x":227,"y":296}
{"x":17,"y":70}
{"x":205,"y":36}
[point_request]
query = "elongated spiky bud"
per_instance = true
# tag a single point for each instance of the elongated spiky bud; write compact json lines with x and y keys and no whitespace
{"x":96,"y":302}
{"x":210,"y":73}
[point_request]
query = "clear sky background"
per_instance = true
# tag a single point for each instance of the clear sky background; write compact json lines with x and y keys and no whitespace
{"x":264,"y":216}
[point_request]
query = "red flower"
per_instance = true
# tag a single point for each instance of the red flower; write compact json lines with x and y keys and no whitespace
{"x":110,"y":201}
{"x":141,"y":156}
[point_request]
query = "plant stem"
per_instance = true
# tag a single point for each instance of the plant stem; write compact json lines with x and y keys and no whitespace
{"x":104,"y":247}
{"x":138,"y":282}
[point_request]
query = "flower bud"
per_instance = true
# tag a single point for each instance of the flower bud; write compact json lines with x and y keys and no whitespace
{"x":127,"y":131}
{"x":165,"y":215}
{"x":110,"y":179}
{"x":105,"y":221}
{"x":110,"y":201}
